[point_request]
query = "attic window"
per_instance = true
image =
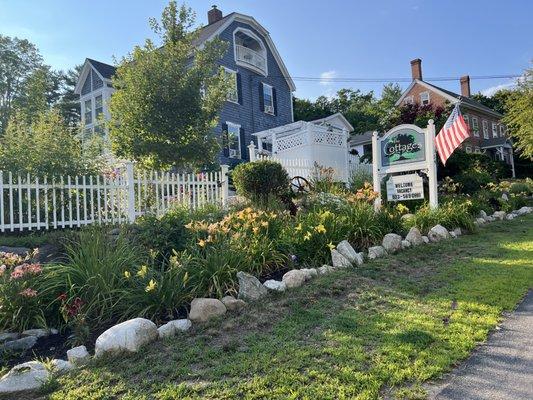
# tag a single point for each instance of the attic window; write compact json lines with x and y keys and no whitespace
{"x":250,"y":52}
{"x":409,"y":100}
{"x":424,"y":98}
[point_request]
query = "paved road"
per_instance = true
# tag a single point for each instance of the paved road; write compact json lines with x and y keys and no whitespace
{"x":502,"y":369}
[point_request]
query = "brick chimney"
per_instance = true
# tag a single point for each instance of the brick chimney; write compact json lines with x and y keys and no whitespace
{"x":214,"y":15}
{"x":465,"y":86}
{"x":416,"y":69}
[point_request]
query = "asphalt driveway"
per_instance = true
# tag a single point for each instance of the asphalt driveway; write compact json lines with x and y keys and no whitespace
{"x":502,"y":369}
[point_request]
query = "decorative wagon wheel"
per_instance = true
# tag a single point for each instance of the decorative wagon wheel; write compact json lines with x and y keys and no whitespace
{"x":300,"y":185}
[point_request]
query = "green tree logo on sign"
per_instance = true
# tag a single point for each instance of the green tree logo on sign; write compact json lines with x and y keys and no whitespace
{"x":402,"y":147}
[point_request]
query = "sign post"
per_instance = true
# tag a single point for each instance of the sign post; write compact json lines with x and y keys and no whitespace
{"x":405,"y":148}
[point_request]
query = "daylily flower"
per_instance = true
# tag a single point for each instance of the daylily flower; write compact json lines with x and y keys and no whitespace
{"x":308,"y":236}
{"x":151,"y":286}
{"x":201,"y":243}
{"x":127,"y":274}
{"x":331,"y":246}
{"x":320,"y":228}
{"x":143,"y":271}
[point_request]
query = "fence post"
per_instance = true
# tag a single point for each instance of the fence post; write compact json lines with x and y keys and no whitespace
{"x":224,"y":169}
{"x":251,"y":151}
{"x":130,"y":185}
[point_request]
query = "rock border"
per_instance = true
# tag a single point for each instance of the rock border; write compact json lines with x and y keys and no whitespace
{"x":138,"y":332}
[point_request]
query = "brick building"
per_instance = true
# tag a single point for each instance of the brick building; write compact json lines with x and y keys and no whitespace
{"x":488,"y":134}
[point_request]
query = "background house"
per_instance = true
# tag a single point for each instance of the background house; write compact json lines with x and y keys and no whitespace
{"x":488,"y":134}
{"x":260,"y":99}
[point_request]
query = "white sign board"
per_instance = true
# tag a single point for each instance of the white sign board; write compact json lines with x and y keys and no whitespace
{"x":405,"y":187}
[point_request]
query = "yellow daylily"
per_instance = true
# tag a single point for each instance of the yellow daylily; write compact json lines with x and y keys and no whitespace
{"x":320,"y":228}
{"x":298,"y":227}
{"x":255,"y":229}
{"x":264,"y":223}
{"x":201,"y":243}
{"x":127,"y":274}
{"x":151,"y":286}
{"x":307,"y":236}
{"x":143,"y":271}
{"x":331,"y":246}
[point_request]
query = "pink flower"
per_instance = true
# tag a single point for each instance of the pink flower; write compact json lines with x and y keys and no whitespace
{"x":28,"y":293}
{"x":25,"y":269}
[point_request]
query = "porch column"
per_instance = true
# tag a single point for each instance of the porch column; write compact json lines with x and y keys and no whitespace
{"x":512,"y":162}
{"x":274,"y":144}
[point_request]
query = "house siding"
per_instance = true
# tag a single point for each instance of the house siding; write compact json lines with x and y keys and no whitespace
{"x":248,"y":114}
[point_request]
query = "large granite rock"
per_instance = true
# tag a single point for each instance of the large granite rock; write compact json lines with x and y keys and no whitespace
{"x":406,"y":244}
{"x":204,"y":309}
{"x":61,"y":366}
{"x":414,"y":236}
{"x":338,"y":260}
{"x":128,"y":336}
{"x":482,"y":214}
{"x":346,"y":249}
{"x":376,"y":252}
{"x":438,"y":233}
{"x":458,"y":231}
{"x":392,"y":242}
{"x":293,"y":278}
{"x":275,"y":286}
{"x":8,"y":336}
{"x":78,"y":356}
{"x":310,"y":273}
{"x":172,"y":328}
{"x":500,"y":215}
{"x":233,"y":304}
{"x":19,"y":345}
{"x":524,"y":210}
{"x":250,"y":288}
{"x":25,"y":377}
{"x":325,"y":269}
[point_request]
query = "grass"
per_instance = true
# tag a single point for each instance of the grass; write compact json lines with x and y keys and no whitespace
{"x":377,"y":332}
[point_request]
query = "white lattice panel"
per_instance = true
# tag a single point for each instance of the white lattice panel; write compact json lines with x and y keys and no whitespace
{"x":329,"y":138}
{"x":292,"y":141}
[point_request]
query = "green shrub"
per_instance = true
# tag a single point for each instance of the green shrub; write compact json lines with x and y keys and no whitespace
{"x":451,"y":215}
{"x":259,"y":180}
{"x":473,"y":181}
{"x":520,"y":187}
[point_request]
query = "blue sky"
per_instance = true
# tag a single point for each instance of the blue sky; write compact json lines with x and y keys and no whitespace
{"x":342,"y":39}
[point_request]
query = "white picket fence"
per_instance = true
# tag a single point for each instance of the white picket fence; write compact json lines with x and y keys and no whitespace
{"x":28,"y":203}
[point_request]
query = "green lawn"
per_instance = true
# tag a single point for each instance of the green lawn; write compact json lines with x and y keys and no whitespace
{"x":375,"y":332}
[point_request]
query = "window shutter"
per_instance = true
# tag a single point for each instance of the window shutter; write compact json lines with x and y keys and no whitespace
{"x":244,"y":148}
{"x":275,"y":101}
{"x":239,"y":88}
{"x":261,"y":97}
{"x":225,"y":148}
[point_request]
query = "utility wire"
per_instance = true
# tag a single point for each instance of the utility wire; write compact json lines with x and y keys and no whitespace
{"x":393,"y":80}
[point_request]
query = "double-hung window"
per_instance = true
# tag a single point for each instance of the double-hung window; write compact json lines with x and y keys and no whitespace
{"x":424,"y":98}
{"x":494,"y":130}
{"x":98,"y":106}
{"x":485,"y":129}
{"x":88,"y":114}
{"x":467,"y":120}
{"x":502,"y":130}
{"x":268,"y":99}
{"x":475,"y":126}
{"x":233,"y":92}
{"x":233,"y":140}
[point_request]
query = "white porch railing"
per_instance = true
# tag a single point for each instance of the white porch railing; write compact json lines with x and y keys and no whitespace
{"x":250,"y":57}
{"x":28,"y":203}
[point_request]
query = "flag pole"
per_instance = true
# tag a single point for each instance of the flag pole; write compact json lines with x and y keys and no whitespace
{"x":432,"y":164}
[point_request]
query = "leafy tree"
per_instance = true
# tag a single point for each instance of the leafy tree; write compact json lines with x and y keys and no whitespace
{"x":519,"y":115}
{"x":497,"y":102}
{"x":43,"y":147}
{"x":18,"y":60}
{"x":168,"y":97}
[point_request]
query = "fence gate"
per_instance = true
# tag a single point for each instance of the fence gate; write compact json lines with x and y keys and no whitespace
{"x":33,"y":203}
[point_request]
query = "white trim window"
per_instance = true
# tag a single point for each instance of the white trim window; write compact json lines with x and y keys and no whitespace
{"x":475,"y":126}
{"x":494,"y":130}
{"x":234,"y":140}
{"x":468,"y":149}
{"x":88,"y":112}
{"x":424,"y":98}
{"x":502,"y":130}
{"x":409,"y":100}
{"x":268,"y":99}
{"x":98,"y":106}
{"x":233,"y":92}
{"x":485,"y":129}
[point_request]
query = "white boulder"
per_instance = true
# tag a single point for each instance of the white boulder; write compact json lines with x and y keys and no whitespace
{"x":406,"y":244}
{"x":78,"y":356}
{"x":172,"y":328}
{"x":338,"y":260}
{"x":310,"y":273}
{"x":128,"y":336}
{"x":61,"y":366}
{"x":392,"y":242}
{"x":425,"y":239}
{"x":452,"y":235}
{"x":233,"y":304}
{"x":482,"y":214}
{"x":38,"y":333}
{"x":499,"y":215}
{"x":346,"y":249}
{"x":275,"y":286}
{"x":24,"y":378}
{"x":458,"y":231}
{"x":438,"y":233}
{"x":249,"y":287}
{"x":376,"y":252}
{"x":524,"y":210}
{"x":510,"y":217}
{"x":204,"y":309}
{"x":414,"y":236}
{"x":293,"y":278}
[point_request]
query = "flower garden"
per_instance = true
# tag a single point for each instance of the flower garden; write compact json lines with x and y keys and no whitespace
{"x":154,"y":268}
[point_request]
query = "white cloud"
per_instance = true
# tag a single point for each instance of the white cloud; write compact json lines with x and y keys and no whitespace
{"x":326,"y":77}
{"x":493,"y":89}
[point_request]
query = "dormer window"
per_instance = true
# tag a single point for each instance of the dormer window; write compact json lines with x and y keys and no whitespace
{"x":250,"y":52}
{"x":424,"y":98}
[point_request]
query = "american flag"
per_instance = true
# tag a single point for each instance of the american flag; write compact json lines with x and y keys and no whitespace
{"x":453,"y":133}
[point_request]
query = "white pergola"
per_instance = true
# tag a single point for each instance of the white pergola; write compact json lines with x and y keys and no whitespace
{"x":307,"y":145}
